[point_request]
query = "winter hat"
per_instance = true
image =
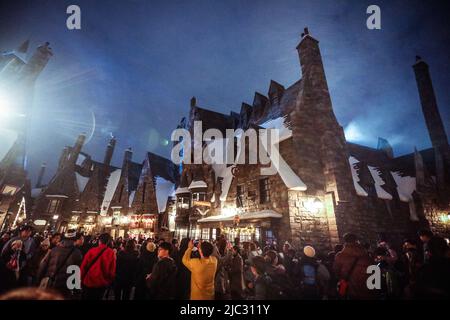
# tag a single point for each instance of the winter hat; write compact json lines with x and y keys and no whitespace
{"x":150,"y":246}
{"x":71,"y":234}
{"x":309,"y":251}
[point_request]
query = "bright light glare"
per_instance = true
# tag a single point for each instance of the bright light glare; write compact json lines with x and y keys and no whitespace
{"x":7,"y":108}
{"x":353,"y":133}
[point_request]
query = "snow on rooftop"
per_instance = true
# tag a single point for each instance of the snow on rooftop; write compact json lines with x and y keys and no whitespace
{"x":181,"y":190}
{"x":381,"y":193}
{"x":359,"y":190}
{"x":111,"y":186}
{"x":81,"y":181}
{"x":198,"y":184}
{"x":164,"y":189}
{"x":131,"y":198}
{"x":405,"y":186}
{"x":80,"y":159}
{"x":278,"y":123}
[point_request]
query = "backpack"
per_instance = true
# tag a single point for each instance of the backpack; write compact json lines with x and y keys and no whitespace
{"x":278,"y":287}
{"x":309,"y":275}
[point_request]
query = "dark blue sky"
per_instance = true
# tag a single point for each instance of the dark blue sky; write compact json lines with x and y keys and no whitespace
{"x":135,"y":65}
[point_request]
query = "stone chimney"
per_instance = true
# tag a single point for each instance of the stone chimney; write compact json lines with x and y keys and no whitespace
{"x":77,"y":148}
{"x":38,"y":61}
{"x":128,"y":155}
{"x":109,"y":152}
{"x":193,"y":102}
{"x":430,"y":109}
{"x":41,"y":175}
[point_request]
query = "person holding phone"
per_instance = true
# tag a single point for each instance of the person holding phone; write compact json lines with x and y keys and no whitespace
{"x":203,"y":270}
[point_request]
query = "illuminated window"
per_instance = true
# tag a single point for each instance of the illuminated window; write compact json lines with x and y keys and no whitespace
{"x":264,"y":190}
{"x":199,"y":196}
{"x":9,"y":190}
{"x":205,"y":234}
{"x":183,"y":202}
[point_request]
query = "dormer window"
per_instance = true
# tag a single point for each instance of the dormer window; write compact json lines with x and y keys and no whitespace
{"x":53,"y":206}
{"x":183,"y":203}
{"x":199,"y":196}
{"x":9,"y":190}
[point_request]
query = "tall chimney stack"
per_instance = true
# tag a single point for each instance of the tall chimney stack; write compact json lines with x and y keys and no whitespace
{"x":128,"y":155}
{"x":430,"y":109}
{"x":77,"y":148}
{"x":109,"y":152}
{"x":41,"y":175}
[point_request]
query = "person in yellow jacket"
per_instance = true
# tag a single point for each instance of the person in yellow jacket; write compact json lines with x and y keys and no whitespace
{"x":203,"y":271}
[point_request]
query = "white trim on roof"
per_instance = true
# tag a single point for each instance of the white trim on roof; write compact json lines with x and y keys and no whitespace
{"x":264,"y":214}
{"x":56,"y":196}
{"x":359,"y":190}
{"x":181,"y":190}
{"x":381,"y":193}
{"x":198,"y":184}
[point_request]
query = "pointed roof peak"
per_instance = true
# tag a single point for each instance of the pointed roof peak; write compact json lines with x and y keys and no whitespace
{"x":23,"y":48}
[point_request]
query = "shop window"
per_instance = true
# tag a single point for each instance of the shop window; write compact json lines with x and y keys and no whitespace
{"x":239,"y":196}
{"x":214,"y":234}
{"x":53,"y":206}
{"x":264,"y":190}
{"x":205,"y":234}
{"x":245,"y":237}
{"x":195,"y":233}
{"x":257,"y":234}
{"x":269,"y":237}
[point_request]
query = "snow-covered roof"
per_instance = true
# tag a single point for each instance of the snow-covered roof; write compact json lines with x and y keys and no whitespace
{"x":405,"y":186}
{"x":278,"y":123}
{"x":80,"y":159}
{"x":245,"y":216}
{"x":164,"y":189}
{"x":181,"y":190}
{"x":198,"y":184}
{"x":56,"y":196}
{"x":381,"y":193}
{"x":131,"y":198}
{"x":81,"y":181}
{"x":359,"y":190}
{"x":111,"y":186}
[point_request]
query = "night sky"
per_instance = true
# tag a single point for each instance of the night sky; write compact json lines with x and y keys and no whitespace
{"x":135,"y":65}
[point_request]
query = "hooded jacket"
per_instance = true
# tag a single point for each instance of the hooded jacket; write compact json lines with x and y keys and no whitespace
{"x":357,"y":278}
{"x":55,"y":263}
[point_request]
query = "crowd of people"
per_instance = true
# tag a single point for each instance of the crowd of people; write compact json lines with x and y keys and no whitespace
{"x":36,"y":265}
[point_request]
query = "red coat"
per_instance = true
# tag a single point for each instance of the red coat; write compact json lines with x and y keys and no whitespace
{"x":103,"y":271}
